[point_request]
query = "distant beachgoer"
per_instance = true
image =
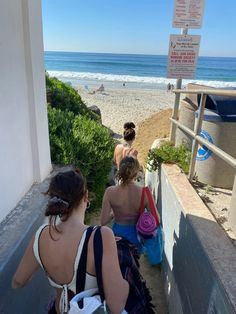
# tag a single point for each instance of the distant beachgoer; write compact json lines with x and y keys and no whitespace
{"x":124,"y":84}
{"x":168,"y":87}
{"x":172,"y":86}
{"x":101,"y":88}
{"x":90,"y":92}
{"x":125,"y":148}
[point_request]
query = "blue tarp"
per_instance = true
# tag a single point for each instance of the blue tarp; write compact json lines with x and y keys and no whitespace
{"x":222,"y":105}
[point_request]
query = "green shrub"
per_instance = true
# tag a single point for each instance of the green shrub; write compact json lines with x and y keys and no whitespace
{"x":84,"y":143}
{"x":96,"y":146}
{"x":64,"y":97}
{"x":168,"y":153}
{"x":61,"y":137}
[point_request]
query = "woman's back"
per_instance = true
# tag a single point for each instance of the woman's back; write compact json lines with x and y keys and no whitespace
{"x":125,"y":202}
{"x":59,"y":257}
{"x":125,"y":149}
{"x":59,"y":254}
{"x":121,"y":151}
{"x":122,"y":202}
{"x":60,"y":260}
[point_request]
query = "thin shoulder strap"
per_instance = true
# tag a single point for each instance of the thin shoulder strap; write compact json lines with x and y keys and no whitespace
{"x":36,"y":244}
{"x":81,"y":270}
{"x":152,"y":204}
{"x":123,"y":152}
{"x":98,"y":252}
{"x":126,"y":151}
{"x":141,"y":207}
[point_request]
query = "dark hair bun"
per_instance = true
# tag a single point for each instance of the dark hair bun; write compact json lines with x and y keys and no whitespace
{"x":129,"y":125}
{"x":56,"y":206}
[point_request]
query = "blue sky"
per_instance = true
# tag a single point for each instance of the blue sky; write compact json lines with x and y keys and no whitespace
{"x":133,"y":26}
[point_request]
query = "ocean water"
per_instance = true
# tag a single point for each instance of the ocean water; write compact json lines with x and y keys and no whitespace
{"x":136,"y":71}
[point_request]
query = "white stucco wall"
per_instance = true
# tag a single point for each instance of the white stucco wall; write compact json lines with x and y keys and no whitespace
{"x":24,"y":144}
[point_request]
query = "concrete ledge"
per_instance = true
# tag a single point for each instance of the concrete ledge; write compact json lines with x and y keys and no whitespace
{"x":15,"y":233}
{"x":200,"y":260}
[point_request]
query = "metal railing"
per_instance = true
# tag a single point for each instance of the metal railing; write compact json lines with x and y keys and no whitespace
{"x":197,"y":139}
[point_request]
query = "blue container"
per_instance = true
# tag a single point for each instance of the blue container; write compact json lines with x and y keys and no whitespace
{"x":220,"y":131}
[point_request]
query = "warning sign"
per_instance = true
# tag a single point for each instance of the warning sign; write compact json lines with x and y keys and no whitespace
{"x":188,"y":13}
{"x":183,"y":55}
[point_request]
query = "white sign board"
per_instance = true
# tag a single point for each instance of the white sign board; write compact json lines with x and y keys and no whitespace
{"x":182,"y":57}
{"x":188,"y":13}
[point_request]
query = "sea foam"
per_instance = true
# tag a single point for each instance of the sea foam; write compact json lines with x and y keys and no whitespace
{"x":154,"y":82}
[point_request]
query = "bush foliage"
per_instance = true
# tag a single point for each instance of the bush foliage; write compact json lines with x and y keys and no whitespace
{"x":61,"y":135}
{"x":64,"y":97}
{"x":168,"y":153}
{"x":94,"y":152}
{"x":83,"y":142}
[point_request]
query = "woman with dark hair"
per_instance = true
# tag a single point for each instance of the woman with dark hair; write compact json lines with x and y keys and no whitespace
{"x":126,"y":149}
{"x":57,"y":247}
{"x":122,"y":202}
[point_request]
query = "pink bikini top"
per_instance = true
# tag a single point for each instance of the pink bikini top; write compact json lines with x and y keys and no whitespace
{"x":128,"y":216}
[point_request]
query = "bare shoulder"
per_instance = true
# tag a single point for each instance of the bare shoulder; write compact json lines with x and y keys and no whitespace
{"x":107,"y":232}
{"x":119,"y":147}
{"x":111,"y":189}
{"x":137,"y":187}
{"x":107,"y":236}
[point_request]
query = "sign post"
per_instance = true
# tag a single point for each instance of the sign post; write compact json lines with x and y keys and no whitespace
{"x":182,"y":58}
{"x":183,"y":54}
{"x":188,"y":13}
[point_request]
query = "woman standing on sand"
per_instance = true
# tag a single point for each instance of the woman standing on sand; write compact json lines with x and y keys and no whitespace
{"x":125,"y":149}
{"x":122,"y":202}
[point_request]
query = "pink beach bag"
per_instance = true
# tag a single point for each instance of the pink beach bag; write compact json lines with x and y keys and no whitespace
{"x":148,"y":221}
{"x":149,"y":230}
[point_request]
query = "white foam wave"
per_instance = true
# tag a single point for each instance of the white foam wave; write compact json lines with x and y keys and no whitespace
{"x":161,"y":81}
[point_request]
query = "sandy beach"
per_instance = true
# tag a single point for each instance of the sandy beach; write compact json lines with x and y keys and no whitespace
{"x":121,"y":105}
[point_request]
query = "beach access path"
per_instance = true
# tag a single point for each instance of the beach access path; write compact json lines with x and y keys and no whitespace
{"x":119,"y":105}
{"x":141,"y":106}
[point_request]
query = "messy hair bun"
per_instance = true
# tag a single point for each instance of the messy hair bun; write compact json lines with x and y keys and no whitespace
{"x":56,"y":206}
{"x":129,"y":125}
{"x":129,"y":132}
{"x":128,"y":170}
{"x":66,"y":191}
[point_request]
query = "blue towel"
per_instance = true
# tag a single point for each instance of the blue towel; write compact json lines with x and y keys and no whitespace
{"x":129,"y":233}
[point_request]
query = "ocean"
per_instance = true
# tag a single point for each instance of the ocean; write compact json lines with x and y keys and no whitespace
{"x":136,"y":71}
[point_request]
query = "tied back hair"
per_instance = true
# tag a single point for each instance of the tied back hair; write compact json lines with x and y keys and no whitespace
{"x":128,"y":170}
{"x":129,"y":132}
{"x":56,"y":206}
{"x":66,"y":191}
{"x":129,"y":125}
